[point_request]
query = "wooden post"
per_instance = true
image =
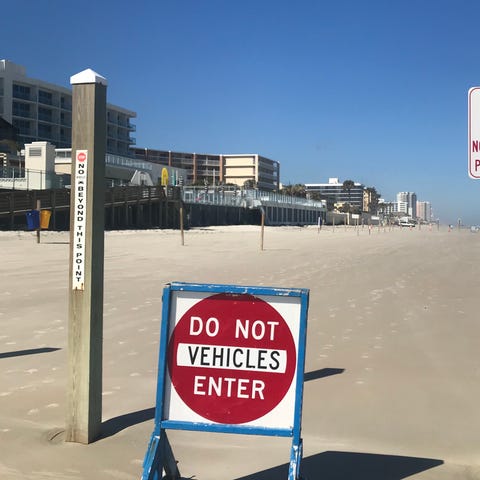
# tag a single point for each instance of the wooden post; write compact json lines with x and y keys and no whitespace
{"x":39,"y":210}
{"x":87,"y":224}
{"x":112,"y":207}
{"x":181,"y":223}
{"x":262,"y":229}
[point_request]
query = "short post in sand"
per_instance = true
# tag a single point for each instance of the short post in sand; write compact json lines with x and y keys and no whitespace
{"x":262,"y":227}
{"x":85,"y":323}
{"x":182,"y":235}
{"x":39,"y":210}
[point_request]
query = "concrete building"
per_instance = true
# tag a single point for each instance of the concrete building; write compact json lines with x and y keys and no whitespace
{"x":42,"y":166}
{"x":42,"y":111}
{"x":407,"y":203}
{"x":218,"y":168}
{"x":424,"y":211}
{"x":334,"y":189}
{"x":263,"y":172}
{"x":386,"y":209}
{"x":8,"y":137}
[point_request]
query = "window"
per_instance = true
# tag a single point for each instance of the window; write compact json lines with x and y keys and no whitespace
{"x":45,"y":114}
{"x":21,"y":91}
{"x":45,"y":97}
{"x":20,"y":109}
{"x":23,"y":126}
{"x":66,"y":103}
{"x":44,"y":131}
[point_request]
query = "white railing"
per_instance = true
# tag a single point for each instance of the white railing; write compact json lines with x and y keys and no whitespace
{"x":218,"y":195}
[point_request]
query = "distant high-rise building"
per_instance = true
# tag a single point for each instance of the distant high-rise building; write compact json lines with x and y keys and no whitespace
{"x":41,"y":111}
{"x":424,"y":211}
{"x":407,"y":203}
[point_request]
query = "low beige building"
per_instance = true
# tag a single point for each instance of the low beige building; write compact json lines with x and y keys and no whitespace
{"x":263,"y":172}
{"x":215,"y":169}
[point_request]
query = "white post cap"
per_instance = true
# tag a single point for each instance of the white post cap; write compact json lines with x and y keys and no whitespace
{"x":88,"y":76}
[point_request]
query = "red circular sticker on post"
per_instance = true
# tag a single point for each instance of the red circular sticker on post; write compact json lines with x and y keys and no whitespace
{"x":232,"y":358}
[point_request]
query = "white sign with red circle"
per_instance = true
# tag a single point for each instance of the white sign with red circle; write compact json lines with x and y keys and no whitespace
{"x":474,"y":133}
{"x":232,"y":359}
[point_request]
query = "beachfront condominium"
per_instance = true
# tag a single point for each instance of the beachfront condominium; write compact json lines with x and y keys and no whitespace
{"x":407,"y":203}
{"x":41,"y":111}
{"x":215,"y":169}
{"x":338,"y":192}
{"x":424,"y":211}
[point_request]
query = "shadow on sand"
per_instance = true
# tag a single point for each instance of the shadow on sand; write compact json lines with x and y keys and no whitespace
{"x":322,"y":373}
{"x":32,"y":351}
{"x":46,"y":242}
{"x":346,"y":465}
{"x":117,"y":424}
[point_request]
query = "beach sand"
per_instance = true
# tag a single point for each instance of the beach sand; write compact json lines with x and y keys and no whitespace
{"x":392,"y":382}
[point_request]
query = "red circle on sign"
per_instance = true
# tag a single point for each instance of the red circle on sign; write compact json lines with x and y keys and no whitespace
{"x":82,"y":157}
{"x":231,"y":358}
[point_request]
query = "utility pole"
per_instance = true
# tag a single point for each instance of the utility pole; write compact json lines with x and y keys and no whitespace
{"x":87,"y":211}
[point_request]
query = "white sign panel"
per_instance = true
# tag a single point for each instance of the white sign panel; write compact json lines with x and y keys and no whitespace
{"x":474,"y":132}
{"x":79,"y":219}
{"x":233,"y":368}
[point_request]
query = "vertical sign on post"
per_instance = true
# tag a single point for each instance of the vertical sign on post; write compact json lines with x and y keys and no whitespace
{"x":474,"y":133}
{"x":79,"y":167}
{"x":87,"y":206}
{"x":231,"y":360}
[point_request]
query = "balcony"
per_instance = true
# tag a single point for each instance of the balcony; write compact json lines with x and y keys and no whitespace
{"x":22,"y":114}
{"x":65,"y":104}
{"x":23,"y":96}
{"x":47,"y":98}
{"x":45,"y":118}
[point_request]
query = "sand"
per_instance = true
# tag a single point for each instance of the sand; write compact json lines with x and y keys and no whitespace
{"x":392,"y":382}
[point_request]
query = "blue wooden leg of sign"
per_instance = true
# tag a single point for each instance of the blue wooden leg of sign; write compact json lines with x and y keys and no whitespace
{"x":152,"y":460}
{"x":169,"y":462}
{"x":159,"y":457}
{"x":295,"y":460}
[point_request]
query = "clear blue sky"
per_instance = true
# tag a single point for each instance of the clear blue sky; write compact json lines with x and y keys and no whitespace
{"x":373,"y":91}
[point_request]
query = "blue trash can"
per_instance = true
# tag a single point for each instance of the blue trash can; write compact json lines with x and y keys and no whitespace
{"x":33,"y":220}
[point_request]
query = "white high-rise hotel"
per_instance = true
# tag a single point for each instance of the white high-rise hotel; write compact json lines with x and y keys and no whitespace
{"x":42,"y":111}
{"x":407,"y":203}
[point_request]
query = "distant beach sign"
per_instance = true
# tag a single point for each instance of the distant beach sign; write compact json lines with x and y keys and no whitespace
{"x":231,"y":360}
{"x":474,"y":132}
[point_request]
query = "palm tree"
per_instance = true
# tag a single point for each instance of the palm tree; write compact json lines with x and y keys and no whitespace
{"x":297,"y":190}
{"x":347,"y":187}
{"x":373,"y":197}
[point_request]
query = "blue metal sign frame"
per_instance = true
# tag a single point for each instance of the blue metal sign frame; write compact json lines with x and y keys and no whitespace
{"x":159,"y":455}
